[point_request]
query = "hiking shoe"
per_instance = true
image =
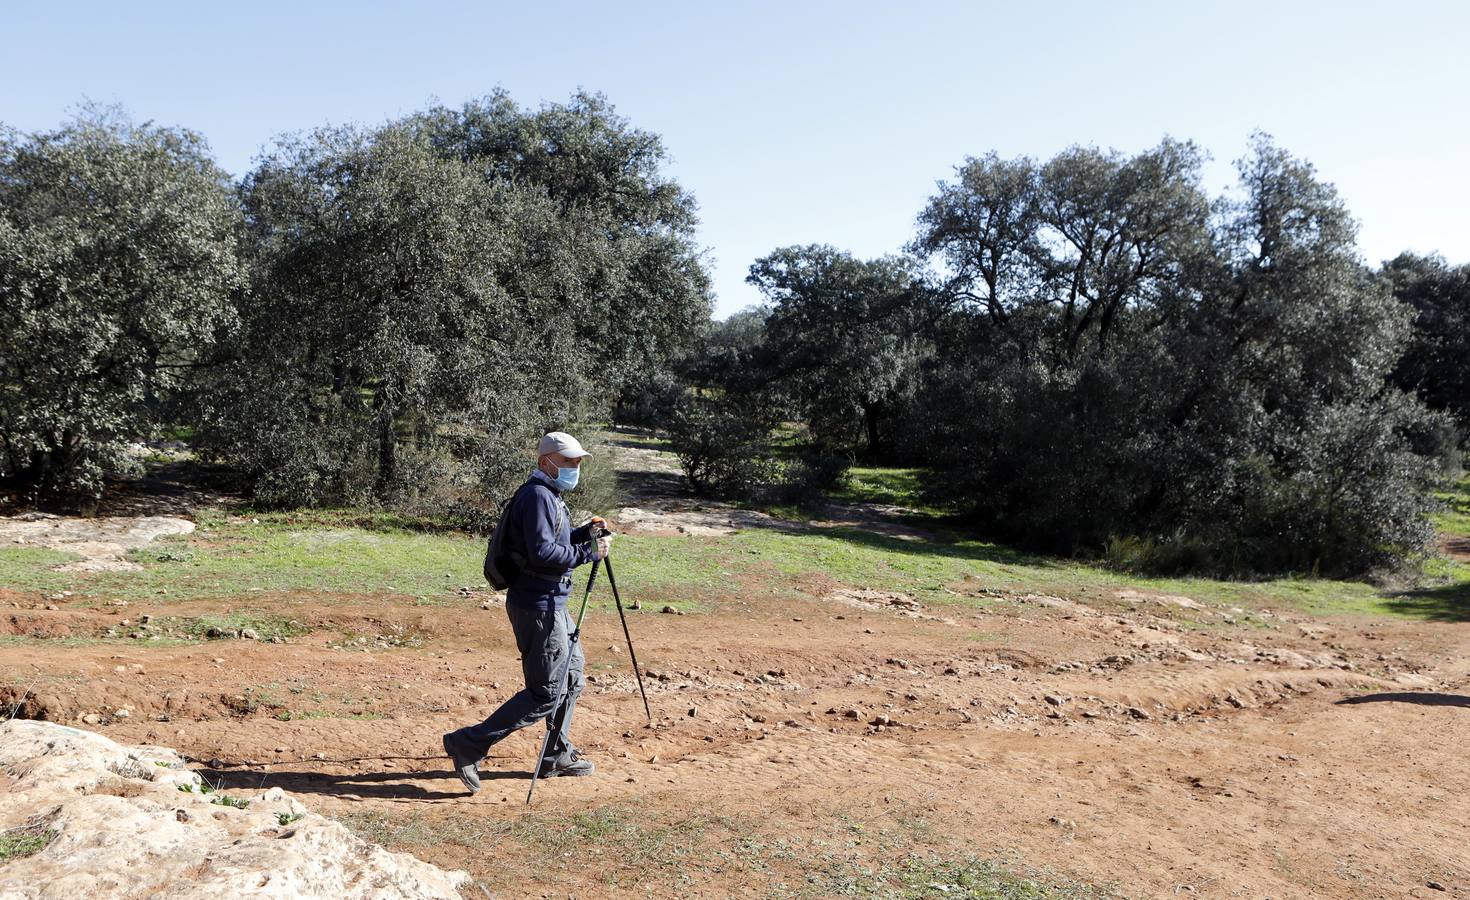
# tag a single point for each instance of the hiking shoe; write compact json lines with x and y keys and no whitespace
{"x":467,"y":768}
{"x":576,"y":764}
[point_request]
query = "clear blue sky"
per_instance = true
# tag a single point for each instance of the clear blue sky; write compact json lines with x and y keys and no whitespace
{"x":801,"y":122}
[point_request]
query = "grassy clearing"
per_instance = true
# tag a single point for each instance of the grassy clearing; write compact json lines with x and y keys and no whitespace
{"x":349,"y":552}
{"x":31,"y":569}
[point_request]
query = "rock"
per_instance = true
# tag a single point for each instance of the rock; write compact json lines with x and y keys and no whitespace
{"x":1435,"y":886}
{"x":91,"y":719}
{"x":881,"y":720}
{"x":124,"y":828}
{"x":121,"y":713}
{"x":249,"y":634}
{"x":673,"y":611}
{"x":1054,"y":700}
{"x":693,"y":711}
{"x":1137,"y":713}
{"x":853,"y":713}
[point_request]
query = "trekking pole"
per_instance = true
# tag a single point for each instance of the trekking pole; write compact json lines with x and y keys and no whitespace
{"x":559,"y":716}
{"x":637,"y":672}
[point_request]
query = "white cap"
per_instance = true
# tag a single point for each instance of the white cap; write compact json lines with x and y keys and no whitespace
{"x":563,"y":443}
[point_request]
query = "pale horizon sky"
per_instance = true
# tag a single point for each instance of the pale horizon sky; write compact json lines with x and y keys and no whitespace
{"x":813,"y":122}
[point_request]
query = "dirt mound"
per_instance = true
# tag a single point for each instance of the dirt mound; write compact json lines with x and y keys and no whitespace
{"x":134,"y":821}
{"x":102,"y":542}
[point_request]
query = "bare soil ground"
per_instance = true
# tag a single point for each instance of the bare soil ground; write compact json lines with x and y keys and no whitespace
{"x":1120,"y":739}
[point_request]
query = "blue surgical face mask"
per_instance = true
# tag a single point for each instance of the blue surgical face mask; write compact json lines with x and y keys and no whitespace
{"x":566,"y":477}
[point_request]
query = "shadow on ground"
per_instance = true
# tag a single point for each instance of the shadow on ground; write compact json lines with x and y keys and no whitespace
{"x":353,"y":785}
{"x":1416,"y":697}
{"x":1447,"y":603}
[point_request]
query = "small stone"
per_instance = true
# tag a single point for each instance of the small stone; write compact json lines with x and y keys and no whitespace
{"x":758,"y":719}
{"x":182,"y":815}
{"x":693,"y":711}
{"x":218,"y":660}
{"x":1434,"y":886}
{"x":319,"y":755}
{"x":614,"y":648}
{"x":632,"y":780}
{"x":1054,"y":700}
{"x":853,"y":713}
{"x":653,"y":758}
{"x":216,"y":763}
{"x":52,"y":607}
{"x":121,"y":714}
{"x":880,"y":720}
{"x":145,"y":619}
{"x":249,"y":634}
{"x":1137,"y":713}
{"x":91,"y":719}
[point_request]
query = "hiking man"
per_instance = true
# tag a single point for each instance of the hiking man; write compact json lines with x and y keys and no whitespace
{"x":547,"y":549}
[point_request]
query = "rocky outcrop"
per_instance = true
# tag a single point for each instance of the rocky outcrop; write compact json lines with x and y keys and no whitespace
{"x":125,"y":821}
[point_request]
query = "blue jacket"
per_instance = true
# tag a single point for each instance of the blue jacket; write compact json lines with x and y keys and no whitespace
{"x":551,"y":553}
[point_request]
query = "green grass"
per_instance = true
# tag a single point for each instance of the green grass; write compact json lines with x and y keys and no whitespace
{"x":871,"y":484}
{"x":318,"y":551}
{"x":31,"y":569}
{"x":924,"y":878}
{"x":287,"y":715}
{"x":24,"y":841}
{"x":1454,"y":519}
{"x":354,"y":553}
{"x":632,"y":846}
{"x":229,"y":626}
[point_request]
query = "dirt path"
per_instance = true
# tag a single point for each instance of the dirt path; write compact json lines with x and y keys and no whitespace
{"x":1107,"y":742}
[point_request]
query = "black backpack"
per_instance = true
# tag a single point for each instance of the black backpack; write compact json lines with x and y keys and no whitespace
{"x":503,"y":565}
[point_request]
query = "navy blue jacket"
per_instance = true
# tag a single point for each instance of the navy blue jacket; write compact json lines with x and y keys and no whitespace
{"x":551,"y":554}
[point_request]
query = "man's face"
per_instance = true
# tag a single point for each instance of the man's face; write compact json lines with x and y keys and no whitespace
{"x":558,"y":461}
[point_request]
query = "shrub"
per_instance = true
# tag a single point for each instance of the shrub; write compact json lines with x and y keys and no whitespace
{"x":722,"y":446}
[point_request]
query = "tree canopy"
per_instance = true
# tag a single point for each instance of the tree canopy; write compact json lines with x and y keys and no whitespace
{"x":119,"y":262}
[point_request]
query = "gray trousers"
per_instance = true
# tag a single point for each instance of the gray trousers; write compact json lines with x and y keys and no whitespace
{"x":548,"y":656}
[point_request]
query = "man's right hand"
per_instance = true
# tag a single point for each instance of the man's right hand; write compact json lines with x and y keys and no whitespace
{"x":604,"y":546}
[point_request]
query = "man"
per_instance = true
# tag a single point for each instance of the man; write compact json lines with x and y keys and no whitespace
{"x":538,"y":533}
